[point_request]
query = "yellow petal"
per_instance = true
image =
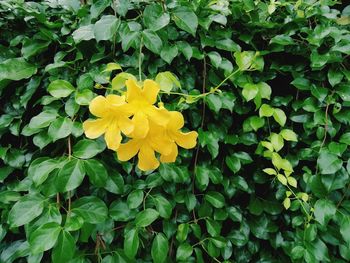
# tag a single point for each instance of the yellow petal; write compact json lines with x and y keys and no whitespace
{"x":95,"y":128}
{"x":141,"y":125}
{"x":113,"y":136}
{"x":161,"y":143}
{"x":99,"y":106}
{"x":125,"y":125}
{"x":170,"y":158}
{"x":133,"y":90}
{"x":147,"y":158}
{"x":150,"y":90}
{"x":186,"y":140}
{"x":128,"y":150}
{"x":115,"y":100}
{"x":158,"y":116}
{"x":176,"y":120}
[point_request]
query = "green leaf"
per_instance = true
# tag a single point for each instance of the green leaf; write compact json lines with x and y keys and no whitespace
{"x":40,"y":169}
{"x":64,"y":249}
{"x":43,"y":119}
{"x":289,"y":135}
{"x":249,"y":91}
{"x":182,"y":232}
{"x":215,"y":199}
{"x":44,"y":237}
{"x":60,"y":128}
{"x":167,"y":81}
{"x":184,"y":251}
{"x":214,"y":102}
{"x":329,"y":163}
{"x":233,"y":163}
{"x":301,"y":83}
{"x":16,"y":69}
{"x":266,"y":111}
{"x":70,"y":176}
{"x":215,"y":58}
{"x":277,"y":141}
{"x":168,"y":53}
{"x":86,"y":149}
{"x":120,"y":211}
{"x":185,"y":19}
{"x":160,"y":248}
{"x":106,"y":28}
{"x":146,"y":217}
{"x":25,"y":210}
{"x":345,"y":228}
{"x":84,"y":97}
{"x":135,"y":198}
{"x":60,"y":88}
{"x":97,"y":7}
{"x":279,"y":116}
{"x":92,"y":209}
{"x":202,"y":177}
{"x":186,"y":49}
{"x":96,"y":172}
{"x":83,"y":33}
{"x":155,"y":18}
{"x":131,"y":243}
{"x":163,"y":206}
{"x":335,"y":76}
{"x":118,"y":81}
{"x":324,"y":211}
{"x":152,"y":41}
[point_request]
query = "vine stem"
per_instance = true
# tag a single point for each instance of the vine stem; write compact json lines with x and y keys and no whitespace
{"x":204,"y":87}
{"x":140,"y":59}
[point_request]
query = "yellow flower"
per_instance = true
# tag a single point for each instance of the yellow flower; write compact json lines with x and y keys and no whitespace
{"x":156,"y":140}
{"x":186,"y":140}
{"x":140,"y":102}
{"x":113,"y":116}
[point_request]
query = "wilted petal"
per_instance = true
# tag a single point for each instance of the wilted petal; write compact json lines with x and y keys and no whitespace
{"x":128,"y":150}
{"x":171,"y":157}
{"x":133,"y":90}
{"x":147,"y":158}
{"x":150,"y":90}
{"x":186,"y":140}
{"x":141,"y":125}
{"x":125,"y":125}
{"x":99,"y":106}
{"x":113,"y":136}
{"x":95,"y":128}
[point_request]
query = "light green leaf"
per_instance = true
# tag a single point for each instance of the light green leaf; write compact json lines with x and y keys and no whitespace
{"x":86,"y":149}
{"x":277,"y":141}
{"x":184,"y":251}
{"x":249,"y":91}
{"x":266,"y":111}
{"x":289,"y":135}
{"x":279,"y":116}
{"x":83,"y":33}
{"x":60,"y":88}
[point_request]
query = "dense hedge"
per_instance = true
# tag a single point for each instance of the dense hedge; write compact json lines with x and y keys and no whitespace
{"x":264,"y":83}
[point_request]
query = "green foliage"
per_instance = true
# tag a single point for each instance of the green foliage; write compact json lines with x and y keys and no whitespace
{"x":265,"y":84}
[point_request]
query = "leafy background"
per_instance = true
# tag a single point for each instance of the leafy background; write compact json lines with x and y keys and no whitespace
{"x":65,"y":198}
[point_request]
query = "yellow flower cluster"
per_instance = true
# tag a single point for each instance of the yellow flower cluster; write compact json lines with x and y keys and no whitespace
{"x":149,"y":129}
